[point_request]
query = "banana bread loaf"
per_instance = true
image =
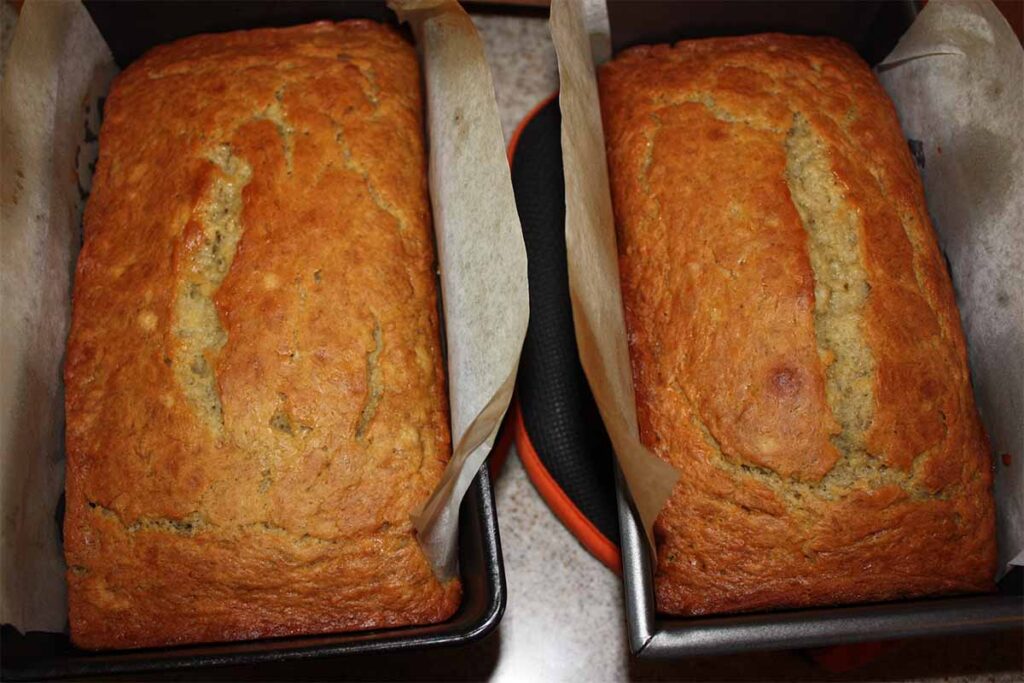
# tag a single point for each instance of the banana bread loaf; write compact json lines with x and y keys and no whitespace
{"x":255,"y":392}
{"x":796,"y":347}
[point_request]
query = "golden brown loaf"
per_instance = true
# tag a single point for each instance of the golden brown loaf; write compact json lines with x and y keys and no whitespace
{"x":255,"y":397}
{"x":796,"y":347}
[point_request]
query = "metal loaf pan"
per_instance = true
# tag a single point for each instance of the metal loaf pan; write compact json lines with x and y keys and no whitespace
{"x":130,"y":29}
{"x":873,"y":27}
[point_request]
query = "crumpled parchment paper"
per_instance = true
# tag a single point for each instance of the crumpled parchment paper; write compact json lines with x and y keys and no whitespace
{"x":957,"y":79}
{"x":57,"y":69}
{"x":481,"y":251}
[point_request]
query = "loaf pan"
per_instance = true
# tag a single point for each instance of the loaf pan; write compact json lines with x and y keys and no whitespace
{"x":873,"y":28}
{"x":130,"y":29}
{"x":557,"y":426}
{"x":554,"y":424}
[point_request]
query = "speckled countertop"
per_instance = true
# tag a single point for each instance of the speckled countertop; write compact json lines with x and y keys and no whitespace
{"x":564,"y":620}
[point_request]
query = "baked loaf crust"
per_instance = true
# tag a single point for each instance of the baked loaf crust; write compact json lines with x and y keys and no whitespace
{"x":255,"y":392}
{"x":797,"y":352}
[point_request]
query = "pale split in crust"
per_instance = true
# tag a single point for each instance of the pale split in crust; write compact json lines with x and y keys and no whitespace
{"x":255,"y":393}
{"x":796,"y":347}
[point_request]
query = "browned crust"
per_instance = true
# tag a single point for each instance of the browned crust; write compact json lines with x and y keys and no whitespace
{"x":720,"y":302}
{"x":293,"y":517}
